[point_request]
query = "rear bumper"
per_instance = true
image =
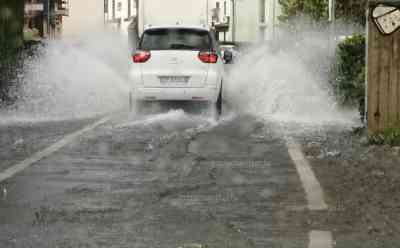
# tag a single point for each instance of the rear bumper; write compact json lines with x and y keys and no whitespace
{"x":176,"y":94}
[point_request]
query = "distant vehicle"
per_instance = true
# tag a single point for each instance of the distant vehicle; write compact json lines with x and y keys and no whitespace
{"x":178,"y":63}
{"x":231,"y":50}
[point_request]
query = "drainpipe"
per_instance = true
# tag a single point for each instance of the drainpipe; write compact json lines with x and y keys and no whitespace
{"x":105,"y":11}
{"x":207,"y":9}
{"x":332,"y":19}
{"x":137,"y":17}
{"x":48,"y":20}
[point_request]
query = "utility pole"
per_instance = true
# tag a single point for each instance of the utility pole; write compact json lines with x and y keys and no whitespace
{"x":233,"y":21}
{"x":48,"y":19}
{"x":332,"y":20}
{"x":137,"y":18}
{"x":332,"y":11}
{"x":105,"y":11}
{"x":273,"y":20}
{"x":207,"y":11}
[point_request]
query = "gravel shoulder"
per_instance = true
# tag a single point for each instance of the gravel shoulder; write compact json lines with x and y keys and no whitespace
{"x":362,"y":188}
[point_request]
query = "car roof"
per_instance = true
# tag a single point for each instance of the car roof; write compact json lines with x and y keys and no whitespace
{"x":178,"y":27}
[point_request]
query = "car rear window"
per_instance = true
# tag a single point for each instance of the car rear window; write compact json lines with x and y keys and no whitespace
{"x":176,"y":39}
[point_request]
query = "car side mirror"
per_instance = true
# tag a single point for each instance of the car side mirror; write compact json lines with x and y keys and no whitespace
{"x":228,"y":57}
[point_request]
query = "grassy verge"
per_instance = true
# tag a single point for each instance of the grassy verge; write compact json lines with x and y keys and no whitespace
{"x":390,"y":136}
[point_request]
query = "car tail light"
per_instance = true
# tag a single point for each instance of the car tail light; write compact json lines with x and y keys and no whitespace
{"x":208,"y":57}
{"x":141,"y":56}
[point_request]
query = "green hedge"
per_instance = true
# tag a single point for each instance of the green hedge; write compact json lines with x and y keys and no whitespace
{"x":349,"y":71}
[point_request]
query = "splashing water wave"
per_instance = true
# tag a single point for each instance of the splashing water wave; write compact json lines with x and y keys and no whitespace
{"x":68,"y":79}
{"x":288,"y":83}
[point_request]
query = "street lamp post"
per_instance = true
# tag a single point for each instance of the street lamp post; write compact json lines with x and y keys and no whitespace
{"x":332,"y":11}
{"x":207,"y":10}
{"x":273,"y":20}
{"x":233,"y":21}
{"x":332,"y":20}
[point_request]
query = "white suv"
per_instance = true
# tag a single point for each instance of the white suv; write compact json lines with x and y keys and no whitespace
{"x":178,"y":63}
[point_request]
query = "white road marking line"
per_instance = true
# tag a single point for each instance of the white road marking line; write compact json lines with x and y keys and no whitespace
{"x":10,"y":172}
{"x":312,"y":187}
{"x":320,"y":239}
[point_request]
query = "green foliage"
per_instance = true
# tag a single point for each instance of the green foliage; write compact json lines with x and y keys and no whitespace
{"x":350,"y":10}
{"x":349,"y":70}
{"x":390,"y":136}
{"x":11,"y":42}
{"x":290,"y":9}
{"x":11,"y":26}
{"x":316,"y":9}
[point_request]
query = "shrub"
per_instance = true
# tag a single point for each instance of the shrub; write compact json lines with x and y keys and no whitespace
{"x":349,"y":71}
{"x":390,"y":136}
{"x":316,"y":9}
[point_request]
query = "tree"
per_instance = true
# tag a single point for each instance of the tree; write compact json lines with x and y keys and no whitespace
{"x":352,"y":10}
{"x":316,"y":9}
{"x":11,"y":40}
{"x":290,"y":9}
{"x":11,"y":26}
{"x":349,"y":10}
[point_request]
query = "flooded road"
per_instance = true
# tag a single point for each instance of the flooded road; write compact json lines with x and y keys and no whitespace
{"x":166,"y":180}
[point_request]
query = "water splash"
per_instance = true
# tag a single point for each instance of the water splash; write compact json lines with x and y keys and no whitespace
{"x":177,"y":118}
{"x":73,"y":78}
{"x":288,"y":82}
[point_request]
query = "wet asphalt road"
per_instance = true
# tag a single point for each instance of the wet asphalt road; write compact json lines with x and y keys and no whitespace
{"x":165,"y":180}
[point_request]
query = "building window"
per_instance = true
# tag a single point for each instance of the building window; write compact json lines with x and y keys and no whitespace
{"x":119,"y":6}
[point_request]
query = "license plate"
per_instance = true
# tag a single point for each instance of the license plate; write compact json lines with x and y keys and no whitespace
{"x":174,"y":79}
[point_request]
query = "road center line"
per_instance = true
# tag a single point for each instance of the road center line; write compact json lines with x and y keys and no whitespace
{"x":320,"y":239}
{"x":10,"y":172}
{"x":312,"y":187}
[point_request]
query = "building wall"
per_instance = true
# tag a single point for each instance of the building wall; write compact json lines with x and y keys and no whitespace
{"x":120,"y":14}
{"x":162,"y":12}
{"x":273,"y":11}
{"x":249,"y":26}
{"x":246,"y":20}
{"x":85,"y":16}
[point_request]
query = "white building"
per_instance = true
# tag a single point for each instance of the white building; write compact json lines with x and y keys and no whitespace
{"x":245,"y":21}
{"x":250,"y":20}
{"x":85,"y":16}
{"x":119,"y":13}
